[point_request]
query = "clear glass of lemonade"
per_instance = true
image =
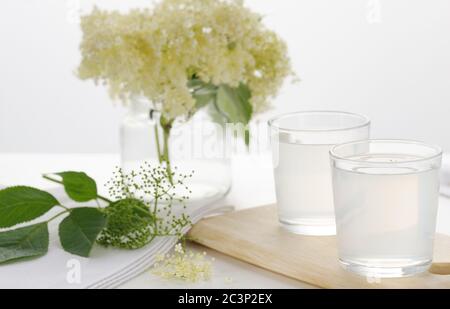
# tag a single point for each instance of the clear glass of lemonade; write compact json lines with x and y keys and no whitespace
{"x":301,"y":143}
{"x":386,"y":200}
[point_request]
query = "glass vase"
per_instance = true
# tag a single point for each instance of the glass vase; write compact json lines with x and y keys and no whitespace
{"x":196,"y":144}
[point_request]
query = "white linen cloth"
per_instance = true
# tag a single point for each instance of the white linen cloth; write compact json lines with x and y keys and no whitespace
{"x":106,"y":267}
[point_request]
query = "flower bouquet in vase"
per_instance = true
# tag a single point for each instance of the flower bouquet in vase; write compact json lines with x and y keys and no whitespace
{"x":193,"y":74}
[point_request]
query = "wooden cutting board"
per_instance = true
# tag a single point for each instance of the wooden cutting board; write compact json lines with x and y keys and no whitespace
{"x":255,"y":236}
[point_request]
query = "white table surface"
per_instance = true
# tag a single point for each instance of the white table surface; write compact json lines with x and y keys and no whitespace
{"x":252,"y":186}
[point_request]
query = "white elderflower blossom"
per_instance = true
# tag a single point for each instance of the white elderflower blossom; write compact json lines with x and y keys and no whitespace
{"x":156,"y":52}
{"x":183,"y":265}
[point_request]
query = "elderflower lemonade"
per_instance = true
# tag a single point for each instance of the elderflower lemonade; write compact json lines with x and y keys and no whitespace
{"x":300,"y":145}
{"x":386,"y":200}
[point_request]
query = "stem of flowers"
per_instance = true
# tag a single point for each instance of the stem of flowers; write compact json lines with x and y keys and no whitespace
{"x":166,"y":135}
{"x":165,"y":156}
{"x":65,"y":208}
{"x":158,"y":146}
{"x":155,"y":210}
{"x":59,"y":214}
{"x":98,"y":204}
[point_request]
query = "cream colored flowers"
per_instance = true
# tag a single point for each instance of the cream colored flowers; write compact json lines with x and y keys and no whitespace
{"x":183,"y":265}
{"x":155,"y":53}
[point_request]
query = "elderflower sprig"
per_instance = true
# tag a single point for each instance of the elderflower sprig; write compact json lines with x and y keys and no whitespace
{"x":140,"y":208}
{"x":144,"y":207}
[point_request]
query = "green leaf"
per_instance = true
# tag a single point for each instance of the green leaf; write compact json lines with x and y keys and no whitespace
{"x":195,"y":83}
{"x":78,"y":231}
{"x":21,"y":204}
{"x":204,"y":96}
{"x":203,"y":93}
{"x":79,"y":186}
{"x":230,"y":104}
{"x":24,"y":242}
{"x":234,"y":103}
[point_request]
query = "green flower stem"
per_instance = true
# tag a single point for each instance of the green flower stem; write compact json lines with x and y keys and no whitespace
{"x":104,"y":199}
{"x":65,"y":208}
{"x":155,"y":211}
{"x":164,"y":155}
{"x":61,"y":183}
{"x":59,"y":214}
{"x":158,"y":145}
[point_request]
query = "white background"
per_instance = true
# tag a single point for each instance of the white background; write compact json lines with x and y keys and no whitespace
{"x":388,"y":59}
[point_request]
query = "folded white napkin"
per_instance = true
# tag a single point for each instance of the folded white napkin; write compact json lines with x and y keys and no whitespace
{"x":148,"y":258}
{"x":106,"y":268}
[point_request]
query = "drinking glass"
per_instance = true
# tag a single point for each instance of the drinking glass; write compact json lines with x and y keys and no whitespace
{"x":386,"y":199}
{"x":300,"y":146}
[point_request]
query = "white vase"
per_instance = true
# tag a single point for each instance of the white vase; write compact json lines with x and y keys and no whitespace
{"x":197,"y":144}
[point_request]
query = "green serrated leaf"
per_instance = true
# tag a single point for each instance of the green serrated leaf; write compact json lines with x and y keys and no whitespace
{"x":234,"y":103}
{"x":78,"y":232}
{"x":24,"y":242}
{"x":79,"y":186}
{"x":21,"y":204}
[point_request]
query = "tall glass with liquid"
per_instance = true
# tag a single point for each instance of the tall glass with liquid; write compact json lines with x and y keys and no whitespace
{"x":386,"y":200}
{"x":301,"y":143}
